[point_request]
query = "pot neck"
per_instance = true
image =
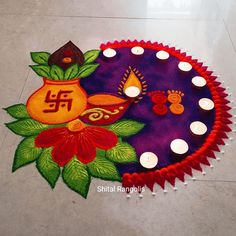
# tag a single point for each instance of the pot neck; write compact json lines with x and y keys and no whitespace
{"x":61,"y":82}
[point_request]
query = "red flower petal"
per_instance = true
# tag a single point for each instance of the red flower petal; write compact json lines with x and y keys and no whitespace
{"x":86,"y":151}
{"x":64,"y":150}
{"x":50,"y":137}
{"x":102,"y":138}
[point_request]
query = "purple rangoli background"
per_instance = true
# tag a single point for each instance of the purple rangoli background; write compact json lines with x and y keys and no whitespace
{"x":159,"y":130}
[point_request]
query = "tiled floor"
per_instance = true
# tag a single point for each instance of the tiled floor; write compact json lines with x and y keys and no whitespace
{"x":206,"y":29}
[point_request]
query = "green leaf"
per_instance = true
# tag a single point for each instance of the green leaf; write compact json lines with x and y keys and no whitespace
{"x":27,"y":127}
{"x":71,"y":72}
{"x":17,"y":111}
{"x":25,"y":153}
{"x":90,"y":56}
{"x":76,"y":177}
{"x":40,"y":58}
{"x":103,"y":168}
{"x":56,"y":73}
{"x":47,"y":167}
{"x":41,"y":70}
{"x":87,"y":70}
{"x":122,"y":153}
{"x":126,"y":128}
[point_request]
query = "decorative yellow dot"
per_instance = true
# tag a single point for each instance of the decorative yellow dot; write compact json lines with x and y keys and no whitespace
{"x":106,"y":117}
{"x":121,"y":108}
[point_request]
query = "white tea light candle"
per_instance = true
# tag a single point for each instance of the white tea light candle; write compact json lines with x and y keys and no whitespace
{"x":185,"y":66}
{"x":109,"y":52}
{"x":148,"y":160}
{"x":179,"y":146}
{"x":198,"y":128}
{"x":206,"y":104}
{"x":198,"y":81}
{"x":162,"y":55}
{"x":132,"y":91}
{"x":137,"y":50}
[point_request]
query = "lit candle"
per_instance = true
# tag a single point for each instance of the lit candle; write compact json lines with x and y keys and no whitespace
{"x":109,"y":52}
{"x":132,"y":91}
{"x":162,"y":55}
{"x":206,"y":104}
{"x":179,"y":146}
{"x":137,"y":50}
{"x":198,"y":81}
{"x":185,"y":66}
{"x":148,"y":160}
{"x":198,"y":128}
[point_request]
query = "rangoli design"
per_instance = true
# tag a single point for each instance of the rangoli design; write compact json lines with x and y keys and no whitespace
{"x":135,"y":112}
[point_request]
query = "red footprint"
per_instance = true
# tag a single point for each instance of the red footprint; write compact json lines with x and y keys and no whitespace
{"x":159,"y":98}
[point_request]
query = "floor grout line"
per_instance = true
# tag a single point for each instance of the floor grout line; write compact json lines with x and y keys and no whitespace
{"x":213,"y":180}
{"x":22,"y":90}
{"x":7,"y":132}
{"x":227,"y":30}
{"x":111,"y":17}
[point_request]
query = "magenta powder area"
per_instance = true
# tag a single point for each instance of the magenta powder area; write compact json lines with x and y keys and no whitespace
{"x":159,"y":130}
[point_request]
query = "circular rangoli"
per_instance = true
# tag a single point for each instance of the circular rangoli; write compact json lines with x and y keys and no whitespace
{"x":136,"y":112}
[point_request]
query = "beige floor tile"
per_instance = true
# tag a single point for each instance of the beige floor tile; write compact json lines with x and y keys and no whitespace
{"x":201,"y":208}
{"x":181,"y":9}
{"x":228,"y":13}
{"x":205,"y":29}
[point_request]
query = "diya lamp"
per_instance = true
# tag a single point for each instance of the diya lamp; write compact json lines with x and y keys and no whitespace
{"x":206,"y":104}
{"x":199,"y":82}
{"x":137,"y":50}
{"x":148,"y":160}
{"x":162,"y":55}
{"x":184,"y":66}
{"x":104,"y":108}
{"x":109,"y":53}
{"x":198,"y":128}
{"x":179,"y":147}
{"x":132,"y":91}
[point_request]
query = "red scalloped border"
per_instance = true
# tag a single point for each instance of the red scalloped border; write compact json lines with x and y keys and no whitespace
{"x":215,"y":138}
